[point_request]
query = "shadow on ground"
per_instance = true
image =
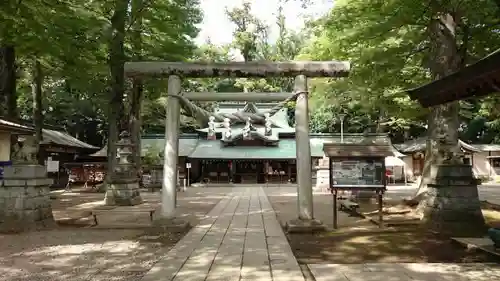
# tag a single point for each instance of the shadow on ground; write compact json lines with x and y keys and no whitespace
{"x":78,"y":252}
{"x":359,"y":241}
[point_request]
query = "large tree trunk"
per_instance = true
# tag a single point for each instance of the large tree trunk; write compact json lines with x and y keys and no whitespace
{"x":37,"y":91}
{"x":8,"y":80}
{"x":8,"y":106}
{"x":116,"y":65}
{"x":443,"y":119}
{"x":451,"y":205}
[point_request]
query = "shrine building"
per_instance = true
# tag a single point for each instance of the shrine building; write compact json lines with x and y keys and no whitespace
{"x":250,"y":153}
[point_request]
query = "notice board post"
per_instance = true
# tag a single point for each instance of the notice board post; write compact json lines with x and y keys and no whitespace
{"x":356,"y":167}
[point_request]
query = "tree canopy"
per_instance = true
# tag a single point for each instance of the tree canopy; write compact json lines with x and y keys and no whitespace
{"x":387,"y":42}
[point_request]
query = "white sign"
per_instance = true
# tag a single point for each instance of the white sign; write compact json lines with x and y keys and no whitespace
{"x":52,"y":166}
{"x":188,"y":165}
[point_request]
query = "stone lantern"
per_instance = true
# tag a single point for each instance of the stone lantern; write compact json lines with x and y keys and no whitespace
{"x":123,"y":189}
{"x":125,"y":167}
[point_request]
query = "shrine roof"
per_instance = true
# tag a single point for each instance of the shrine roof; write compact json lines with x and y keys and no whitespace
{"x":186,"y":146}
{"x":478,"y":79}
{"x":366,"y":139}
{"x":64,"y":139}
{"x":49,"y":136}
{"x":488,"y":147}
{"x":191,"y":146}
{"x":11,"y":127}
{"x":419,"y":144}
{"x":286,"y":149}
{"x":210,"y":149}
{"x":156,"y":144}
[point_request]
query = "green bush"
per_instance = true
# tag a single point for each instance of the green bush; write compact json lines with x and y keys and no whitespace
{"x":151,"y":158}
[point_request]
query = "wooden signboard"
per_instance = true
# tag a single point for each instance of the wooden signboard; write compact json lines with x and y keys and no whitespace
{"x":357,"y":173}
{"x":357,"y":166}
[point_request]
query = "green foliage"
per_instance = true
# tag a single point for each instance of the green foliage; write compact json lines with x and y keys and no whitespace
{"x":152,"y":157}
{"x":386,"y":42}
{"x":70,"y":39}
{"x":388,"y":46}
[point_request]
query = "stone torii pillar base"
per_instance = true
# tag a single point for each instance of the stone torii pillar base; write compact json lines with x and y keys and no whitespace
{"x":173,"y":225}
{"x":305,"y":226}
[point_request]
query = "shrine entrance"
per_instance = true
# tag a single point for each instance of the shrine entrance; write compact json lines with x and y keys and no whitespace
{"x":248,"y":171}
{"x":177,"y":98}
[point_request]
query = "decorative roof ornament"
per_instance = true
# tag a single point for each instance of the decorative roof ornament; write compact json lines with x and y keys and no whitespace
{"x":211,"y":128}
{"x":268,"y":125}
{"x":237,"y":117}
{"x":247,"y":128}
{"x":227,"y":125}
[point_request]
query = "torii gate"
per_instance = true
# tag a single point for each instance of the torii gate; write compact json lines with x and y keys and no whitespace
{"x":300,"y":70}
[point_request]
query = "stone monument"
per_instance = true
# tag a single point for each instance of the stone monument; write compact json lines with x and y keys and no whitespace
{"x":25,"y":191}
{"x":123,"y":184}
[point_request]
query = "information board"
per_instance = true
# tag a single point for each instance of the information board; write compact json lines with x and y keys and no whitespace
{"x":357,"y":172}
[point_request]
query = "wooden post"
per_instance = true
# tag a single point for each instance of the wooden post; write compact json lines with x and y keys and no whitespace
{"x":169,"y":184}
{"x":380,"y":193}
{"x":304,"y":173}
{"x":289,"y":172}
{"x":335,"y":210}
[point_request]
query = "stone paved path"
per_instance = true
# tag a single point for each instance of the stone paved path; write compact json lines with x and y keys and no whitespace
{"x":240,"y":239}
{"x":406,"y":272}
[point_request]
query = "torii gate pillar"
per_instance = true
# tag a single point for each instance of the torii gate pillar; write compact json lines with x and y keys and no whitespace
{"x":169,"y":183}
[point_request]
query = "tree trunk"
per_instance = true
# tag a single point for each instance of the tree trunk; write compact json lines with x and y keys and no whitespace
{"x":37,"y":91}
{"x":443,"y":119}
{"x":137,"y":84}
{"x":116,"y":65}
{"x":135,"y":121}
{"x":451,"y":205}
{"x":8,"y":106}
{"x":8,"y":80}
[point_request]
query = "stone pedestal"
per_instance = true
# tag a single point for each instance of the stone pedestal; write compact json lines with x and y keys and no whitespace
{"x":124,"y":192}
{"x":305,"y":226}
{"x":174,"y":225}
{"x":25,"y":198}
{"x":452,"y":204}
{"x":323,"y":175}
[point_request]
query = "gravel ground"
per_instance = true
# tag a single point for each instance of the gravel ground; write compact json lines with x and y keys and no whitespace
{"x":284,"y":202}
{"x":359,"y":241}
{"x":82,"y":253}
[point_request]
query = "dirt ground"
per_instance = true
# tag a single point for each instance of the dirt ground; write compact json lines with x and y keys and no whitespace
{"x":78,"y":252}
{"x":359,"y":241}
